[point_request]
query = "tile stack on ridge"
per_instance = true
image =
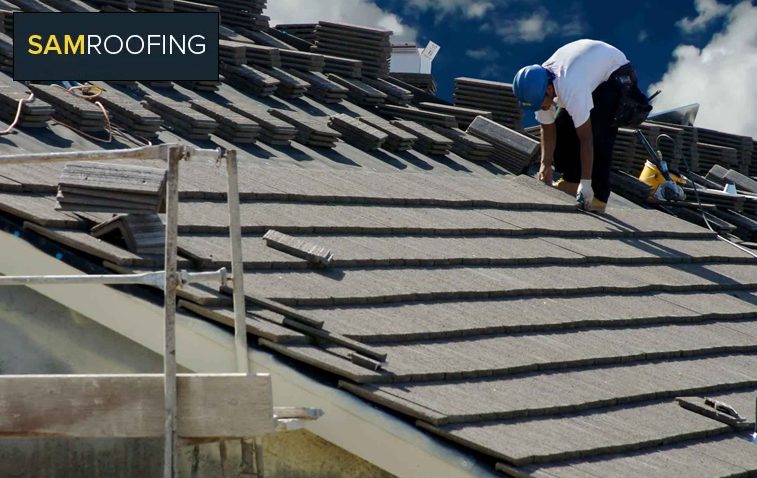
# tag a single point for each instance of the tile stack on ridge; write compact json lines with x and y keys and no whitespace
{"x":246,"y":14}
{"x":464,"y":116}
{"x":428,"y":142}
{"x":466,"y":145}
{"x":186,"y":6}
{"x":369,"y":45}
{"x":155,"y":6}
{"x":127,"y":112}
{"x":250,"y":79}
{"x":123,"y":5}
{"x":396,"y":95}
{"x":34,"y":6}
{"x":359,"y":91}
{"x":301,"y":60}
{"x":232,"y":52}
{"x":73,"y":6}
{"x":6,"y":21}
{"x":513,"y":150}
{"x":397,"y":139}
{"x":232,"y":126}
{"x":6,"y":53}
{"x":418,"y":115}
{"x":743,"y":146}
{"x":70,"y":109}
{"x":311,"y":130}
{"x":490,"y":96}
{"x":180,"y":116}
{"x":290,"y":86}
{"x":274,"y":131}
{"x":358,"y":133}
{"x":263,"y":56}
{"x":34,"y":114}
{"x":321,"y":88}
{"x":422,"y":81}
{"x":345,"y":67}
{"x":111,"y":188}
{"x":305,"y":31}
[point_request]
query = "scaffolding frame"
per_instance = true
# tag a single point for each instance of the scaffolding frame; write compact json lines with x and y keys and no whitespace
{"x":170,"y":279}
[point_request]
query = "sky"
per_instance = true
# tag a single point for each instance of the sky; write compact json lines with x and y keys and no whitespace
{"x":695,"y":51}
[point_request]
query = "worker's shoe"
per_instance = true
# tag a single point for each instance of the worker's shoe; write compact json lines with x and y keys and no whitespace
{"x":596,"y":206}
{"x":566,"y":186}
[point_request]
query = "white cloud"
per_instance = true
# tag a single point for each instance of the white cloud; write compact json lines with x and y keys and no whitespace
{"x":482,"y":53}
{"x":720,"y":76}
{"x":358,"y":12}
{"x":707,"y":10}
{"x":469,"y":9}
{"x":537,"y":26}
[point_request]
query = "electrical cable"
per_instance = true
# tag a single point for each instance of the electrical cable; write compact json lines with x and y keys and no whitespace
{"x":21,"y":102}
{"x":699,"y":202}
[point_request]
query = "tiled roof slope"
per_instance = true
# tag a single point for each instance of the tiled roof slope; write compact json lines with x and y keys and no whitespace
{"x":550,"y":341}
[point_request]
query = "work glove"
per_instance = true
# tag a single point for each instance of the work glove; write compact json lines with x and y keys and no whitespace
{"x":585,"y":193}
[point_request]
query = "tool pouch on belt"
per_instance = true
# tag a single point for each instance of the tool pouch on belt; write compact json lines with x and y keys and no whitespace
{"x":633,"y":105}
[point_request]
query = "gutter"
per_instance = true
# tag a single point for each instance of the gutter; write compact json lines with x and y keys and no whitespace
{"x":384,"y":440}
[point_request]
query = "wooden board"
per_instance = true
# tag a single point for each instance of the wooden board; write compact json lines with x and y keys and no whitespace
{"x":219,"y":405}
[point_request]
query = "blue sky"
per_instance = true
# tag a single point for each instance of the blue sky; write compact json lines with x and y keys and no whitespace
{"x":701,"y":50}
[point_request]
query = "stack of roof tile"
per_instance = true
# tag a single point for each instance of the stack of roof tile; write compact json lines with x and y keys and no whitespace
{"x":200,"y":85}
{"x":73,"y":6}
{"x":34,"y":6}
{"x":181,"y":118}
{"x":305,"y":31}
{"x":34,"y":114}
{"x":250,"y":79}
{"x":344,"y":67}
{"x":111,"y":187}
{"x":369,"y":45}
{"x":513,"y":150}
{"x":70,"y":109}
{"x":158,"y":6}
{"x":321,"y":88}
{"x":143,"y":234}
{"x":421,"y":116}
{"x":629,"y":186}
{"x":162,"y":84}
{"x":232,"y":52}
{"x":6,"y":22}
{"x":232,"y":126}
{"x":466,"y":145}
{"x":246,"y":14}
{"x":124,"y":5}
{"x":311,"y":130}
{"x":359,"y":91}
{"x":709,"y":155}
{"x":186,"y":6}
{"x":742,"y":145}
{"x":274,"y":131}
{"x":129,"y":113}
{"x":358,"y":133}
{"x":464,"y":116}
{"x":428,"y":142}
{"x":262,"y":38}
{"x":422,"y":81}
{"x":395,"y":95}
{"x":397,"y":139}
{"x":489,"y":96}
{"x":290,"y":86}
{"x":301,"y":60}
{"x":6,"y":53}
{"x":264,"y":56}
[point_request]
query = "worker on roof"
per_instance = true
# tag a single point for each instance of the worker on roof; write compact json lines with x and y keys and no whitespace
{"x":575,"y":95}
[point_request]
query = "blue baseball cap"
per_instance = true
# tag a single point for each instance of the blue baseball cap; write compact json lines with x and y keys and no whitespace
{"x":530,"y":86}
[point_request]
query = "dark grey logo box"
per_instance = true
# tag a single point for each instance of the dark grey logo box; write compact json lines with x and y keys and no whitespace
{"x":132,"y":46}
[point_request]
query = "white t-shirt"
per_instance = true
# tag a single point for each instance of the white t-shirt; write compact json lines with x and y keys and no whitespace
{"x":579,"y":68}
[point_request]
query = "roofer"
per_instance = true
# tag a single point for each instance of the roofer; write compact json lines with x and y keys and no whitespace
{"x":576,"y":95}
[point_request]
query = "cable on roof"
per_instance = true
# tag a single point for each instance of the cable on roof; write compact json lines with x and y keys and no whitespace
{"x":21,"y":102}
{"x":701,"y":209}
{"x":88,"y":97}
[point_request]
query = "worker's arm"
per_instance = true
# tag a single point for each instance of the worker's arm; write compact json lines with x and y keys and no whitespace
{"x":586,"y":141}
{"x":548,"y":141}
